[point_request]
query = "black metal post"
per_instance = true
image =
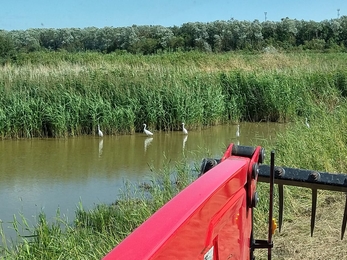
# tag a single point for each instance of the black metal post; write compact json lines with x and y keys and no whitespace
{"x":272,"y":181}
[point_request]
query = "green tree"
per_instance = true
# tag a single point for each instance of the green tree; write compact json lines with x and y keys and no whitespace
{"x":7,"y":50}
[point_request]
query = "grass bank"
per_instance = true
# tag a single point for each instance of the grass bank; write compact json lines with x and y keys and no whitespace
{"x":321,"y":147}
{"x":62,"y":94}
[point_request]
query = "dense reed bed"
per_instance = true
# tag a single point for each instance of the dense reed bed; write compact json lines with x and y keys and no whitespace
{"x":63,"y":94}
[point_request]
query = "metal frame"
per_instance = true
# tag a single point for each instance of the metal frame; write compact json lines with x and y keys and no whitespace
{"x":313,"y":180}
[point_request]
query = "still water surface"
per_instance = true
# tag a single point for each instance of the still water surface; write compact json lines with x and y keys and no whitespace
{"x":46,"y":174}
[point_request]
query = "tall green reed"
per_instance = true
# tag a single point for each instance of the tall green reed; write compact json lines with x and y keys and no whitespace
{"x":73,"y":94}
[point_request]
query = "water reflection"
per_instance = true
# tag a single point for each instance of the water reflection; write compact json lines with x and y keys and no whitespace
{"x":238,"y":135}
{"x":101,"y":146}
{"x":184,"y":141}
{"x":50,"y":173}
{"x":148,"y":141}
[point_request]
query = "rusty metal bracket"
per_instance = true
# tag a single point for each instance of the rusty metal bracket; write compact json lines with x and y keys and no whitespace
{"x":308,"y":179}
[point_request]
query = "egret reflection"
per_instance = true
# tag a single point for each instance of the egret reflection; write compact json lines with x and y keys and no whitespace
{"x":184,"y":141}
{"x":238,"y":131}
{"x":148,"y":141}
{"x":101,"y":146}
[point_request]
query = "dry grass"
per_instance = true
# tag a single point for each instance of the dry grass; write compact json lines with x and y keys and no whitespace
{"x":295,"y":241}
{"x":197,"y":62}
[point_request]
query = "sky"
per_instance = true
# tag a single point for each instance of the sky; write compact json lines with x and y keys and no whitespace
{"x":26,"y":14}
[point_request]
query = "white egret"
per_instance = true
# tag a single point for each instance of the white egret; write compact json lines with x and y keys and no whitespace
{"x":238,"y":131}
{"x":185,"y":131}
{"x":147,"y":132}
{"x":99,"y":132}
{"x":306,"y":123}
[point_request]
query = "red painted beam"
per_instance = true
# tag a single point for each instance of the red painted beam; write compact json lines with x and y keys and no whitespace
{"x":207,"y":220}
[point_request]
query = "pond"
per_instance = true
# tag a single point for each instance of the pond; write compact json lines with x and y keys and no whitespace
{"x":44,"y":175}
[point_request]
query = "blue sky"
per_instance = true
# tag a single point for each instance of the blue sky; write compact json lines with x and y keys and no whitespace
{"x":25,"y":14}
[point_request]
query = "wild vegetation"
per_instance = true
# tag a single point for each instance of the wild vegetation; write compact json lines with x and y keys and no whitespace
{"x":322,"y":147}
{"x":64,"y":94}
{"x":68,"y":93}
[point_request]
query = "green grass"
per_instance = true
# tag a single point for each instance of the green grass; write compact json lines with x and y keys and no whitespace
{"x":322,"y":147}
{"x":64,"y":94}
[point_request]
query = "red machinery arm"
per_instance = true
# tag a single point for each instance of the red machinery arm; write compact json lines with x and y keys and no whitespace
{"x":210,"y":219}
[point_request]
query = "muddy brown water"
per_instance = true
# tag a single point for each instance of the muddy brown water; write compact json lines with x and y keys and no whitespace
{"x":43,"y":175}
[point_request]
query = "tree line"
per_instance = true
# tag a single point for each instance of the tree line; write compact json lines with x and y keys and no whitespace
{"x":217,"y":36}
